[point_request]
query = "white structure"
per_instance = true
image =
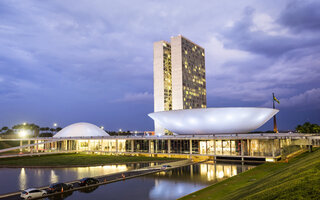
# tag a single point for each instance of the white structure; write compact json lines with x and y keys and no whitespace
{"x":213,"y":120}
{"x":81,"y":129}
{"x":179,"y":76}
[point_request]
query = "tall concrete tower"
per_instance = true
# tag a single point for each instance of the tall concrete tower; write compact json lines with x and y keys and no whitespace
{"x":179,"y":76}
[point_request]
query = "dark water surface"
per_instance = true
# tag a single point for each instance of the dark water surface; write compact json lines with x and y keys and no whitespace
{"x":171,"y":184}
{"x":14,"y":179}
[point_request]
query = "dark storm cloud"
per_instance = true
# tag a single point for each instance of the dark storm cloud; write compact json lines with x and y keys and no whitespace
{"x":301,"y":16}
{"x":245,"y":36}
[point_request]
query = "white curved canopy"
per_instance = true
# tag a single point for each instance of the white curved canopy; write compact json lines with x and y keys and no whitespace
{"x":213,"y":120}
{"x":81,"y":129}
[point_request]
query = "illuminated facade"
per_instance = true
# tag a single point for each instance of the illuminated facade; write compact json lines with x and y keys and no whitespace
{"x":264,"y":147}
{"x":188,"y":74}
{"x":179,"y":76}
{"x":214,"y":120}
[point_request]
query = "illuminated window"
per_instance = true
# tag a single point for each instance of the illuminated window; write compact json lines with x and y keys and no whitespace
{"x":186,"y":52}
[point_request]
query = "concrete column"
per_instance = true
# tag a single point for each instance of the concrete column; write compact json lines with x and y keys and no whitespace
{"x":66,"y":145}
{"x":132,"y":145}
{"x":29,"y":148}
{"x":77,"y":146}
{"x":190,"y":147}
{"x":249,"y":147}
{"x":221,"y":147}
{"x":156,"y":146}
{"x":259,"y":147}
{"x":169,"y":146}
{"x":117,"y":145}
{"x":230,"y":147}
{"x":102,"y":145}
{"x":37,"y":146}
{"x":273,"y":153}
{"x":215,"y":148}
{"x":89,"y":147}
{"x":20,"y":146}
{"x":242,"y":148}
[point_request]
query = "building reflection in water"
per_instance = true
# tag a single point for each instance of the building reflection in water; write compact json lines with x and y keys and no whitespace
{"x":22,"y":179}
{"x":98,"y":170}
{"x":53,"y":177}
{"x":179,"y":182}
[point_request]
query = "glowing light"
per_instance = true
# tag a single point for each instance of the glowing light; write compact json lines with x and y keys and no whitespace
{"x":24,"y":123}
{"x":22,"y":133}
{"x":55,"y":124}
{"x":220,"y":174}
{"x":22,"y":179}
{"x":102,"y":127}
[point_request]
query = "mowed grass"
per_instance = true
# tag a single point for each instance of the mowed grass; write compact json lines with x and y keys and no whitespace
{"x":75,"y":160}
{"x":297,"y":179}
{"x":8,"y":144}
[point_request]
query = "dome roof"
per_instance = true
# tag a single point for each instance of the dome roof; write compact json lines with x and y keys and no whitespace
{"x":81,"y":129}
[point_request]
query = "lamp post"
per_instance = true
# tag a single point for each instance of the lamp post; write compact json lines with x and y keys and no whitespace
{"x":55,"y":125}
{"x":120,"y":130}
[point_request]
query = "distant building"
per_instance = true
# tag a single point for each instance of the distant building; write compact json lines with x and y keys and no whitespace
{"x":179,"y":76}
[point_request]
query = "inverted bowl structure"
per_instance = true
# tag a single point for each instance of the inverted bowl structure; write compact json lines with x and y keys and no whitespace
{"x":213,"y":120}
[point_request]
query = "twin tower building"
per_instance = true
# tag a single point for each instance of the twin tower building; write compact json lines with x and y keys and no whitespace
{"x":179,"y":76}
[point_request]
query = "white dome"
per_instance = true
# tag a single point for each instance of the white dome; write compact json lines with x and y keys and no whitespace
{"x":81,"y":129}
{"x":213,"y":120}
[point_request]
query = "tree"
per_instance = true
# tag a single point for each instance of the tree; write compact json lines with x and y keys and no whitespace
{"x":307,"y":127}
{"x":46,"y":135}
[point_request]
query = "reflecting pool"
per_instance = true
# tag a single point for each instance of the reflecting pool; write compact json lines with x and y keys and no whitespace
{"x":164,"y":185}
{"x":22,"y":178}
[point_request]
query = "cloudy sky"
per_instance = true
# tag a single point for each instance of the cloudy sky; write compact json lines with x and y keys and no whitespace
{"x":75,"y":60}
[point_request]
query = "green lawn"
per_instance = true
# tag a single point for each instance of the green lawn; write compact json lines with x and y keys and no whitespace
{"x":8,"y":144}
{"x":75,"y":159}
{"x":297,"y":179}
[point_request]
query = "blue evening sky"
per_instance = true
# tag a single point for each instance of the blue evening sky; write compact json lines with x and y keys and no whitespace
{"x":70,"y":61}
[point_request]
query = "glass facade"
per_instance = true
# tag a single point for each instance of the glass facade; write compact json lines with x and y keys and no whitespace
{"x":203,"y":147}
{"x":193,"y":75}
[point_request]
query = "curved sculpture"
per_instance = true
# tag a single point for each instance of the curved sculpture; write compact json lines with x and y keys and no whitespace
{"x":81,"y":129}
{"x":213,"y":120}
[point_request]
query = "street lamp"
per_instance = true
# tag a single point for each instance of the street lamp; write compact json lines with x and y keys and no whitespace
{"x":102,"y":127}
{"x":22,"y":133}
{"x":120,"y":130}
{"x":24,"y":123}
{"x":55,"y":124}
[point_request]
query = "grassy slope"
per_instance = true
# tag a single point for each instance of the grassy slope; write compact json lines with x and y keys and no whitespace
{"x":8,"y":144}
{"x":297,"y":179}
{"x":74,"y":159}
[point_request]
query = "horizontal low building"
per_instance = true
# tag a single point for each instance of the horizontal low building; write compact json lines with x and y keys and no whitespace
{"x":245,"y":147}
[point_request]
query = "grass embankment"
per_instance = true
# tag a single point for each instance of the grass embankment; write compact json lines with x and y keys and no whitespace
{"x":9,"y":144}
{"x":297,"y":179}
{"x":76,"y":160}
